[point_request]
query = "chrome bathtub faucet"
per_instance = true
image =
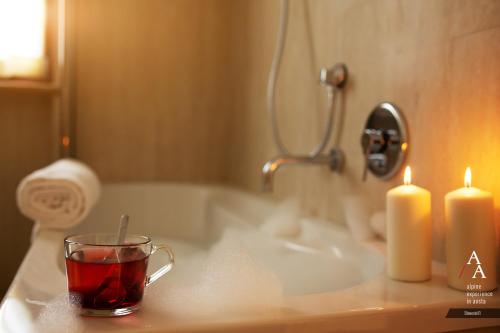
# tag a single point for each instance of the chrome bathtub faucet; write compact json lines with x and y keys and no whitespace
{"x":335,"y":160}
{"x":333,"y":79}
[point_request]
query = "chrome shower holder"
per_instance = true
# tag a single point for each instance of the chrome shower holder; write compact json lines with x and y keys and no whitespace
{"x":335,"y":76}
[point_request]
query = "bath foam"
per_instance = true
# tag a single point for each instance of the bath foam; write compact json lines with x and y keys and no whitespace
{"x":225,"y":279}
{"x":285,"y":221}
{"x":59,"y":316}
{"x":357,"y":215}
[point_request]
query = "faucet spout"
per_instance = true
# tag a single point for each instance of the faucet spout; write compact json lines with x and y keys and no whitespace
{"x":334,"y":160}
{"x":268,"y":170}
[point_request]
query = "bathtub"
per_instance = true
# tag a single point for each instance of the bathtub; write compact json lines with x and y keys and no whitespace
{"x":329,"y":280}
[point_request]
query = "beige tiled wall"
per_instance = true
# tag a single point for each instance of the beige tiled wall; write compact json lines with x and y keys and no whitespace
{"x":152,"y":89}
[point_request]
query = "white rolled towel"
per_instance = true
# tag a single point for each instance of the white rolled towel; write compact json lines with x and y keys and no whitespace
{"x":60,"y":195}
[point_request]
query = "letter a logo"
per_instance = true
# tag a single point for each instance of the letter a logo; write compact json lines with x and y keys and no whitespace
{"x":479,"y":269}
{"x":474,"y":256}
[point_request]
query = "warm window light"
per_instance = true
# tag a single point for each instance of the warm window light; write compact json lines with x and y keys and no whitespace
{"x":407,"y":176}
{"x":468,"y":178}
{"x":22,"y":38}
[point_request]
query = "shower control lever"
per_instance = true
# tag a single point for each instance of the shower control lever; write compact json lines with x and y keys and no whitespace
{"x":383,"y":141}
{"x":376,"y":143}
{"x":373,"y":143}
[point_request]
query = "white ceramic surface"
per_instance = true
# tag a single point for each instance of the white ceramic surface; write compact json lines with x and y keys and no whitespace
{"x":330,"y":281}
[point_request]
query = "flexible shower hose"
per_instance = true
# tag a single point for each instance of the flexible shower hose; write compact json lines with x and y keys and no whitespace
{"x":271,"y":91}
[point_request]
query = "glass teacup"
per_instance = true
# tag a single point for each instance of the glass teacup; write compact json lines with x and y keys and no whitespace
{"x":108,"y":279}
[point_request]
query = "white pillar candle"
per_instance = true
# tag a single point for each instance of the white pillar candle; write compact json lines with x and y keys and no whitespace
{"x":470,"y":238}
{"x":409,"y":232}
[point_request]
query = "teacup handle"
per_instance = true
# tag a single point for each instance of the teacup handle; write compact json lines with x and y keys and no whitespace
{"x":164,"y":269}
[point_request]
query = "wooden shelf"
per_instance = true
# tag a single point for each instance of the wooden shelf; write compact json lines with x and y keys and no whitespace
{"x":29,"y":86}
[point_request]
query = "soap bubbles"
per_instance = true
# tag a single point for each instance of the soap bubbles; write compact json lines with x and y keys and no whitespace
{"x":225,"y":279}
{"x":285,"y":220}
{"x":60,"y":315}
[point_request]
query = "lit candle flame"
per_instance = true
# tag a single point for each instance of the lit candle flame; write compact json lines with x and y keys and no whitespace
{"x":407,"y":177}
{"x":468,"y":178}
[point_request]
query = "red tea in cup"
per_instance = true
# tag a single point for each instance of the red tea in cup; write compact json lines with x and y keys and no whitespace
{"x":99,"y":279}
{"x":106,"y":279}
